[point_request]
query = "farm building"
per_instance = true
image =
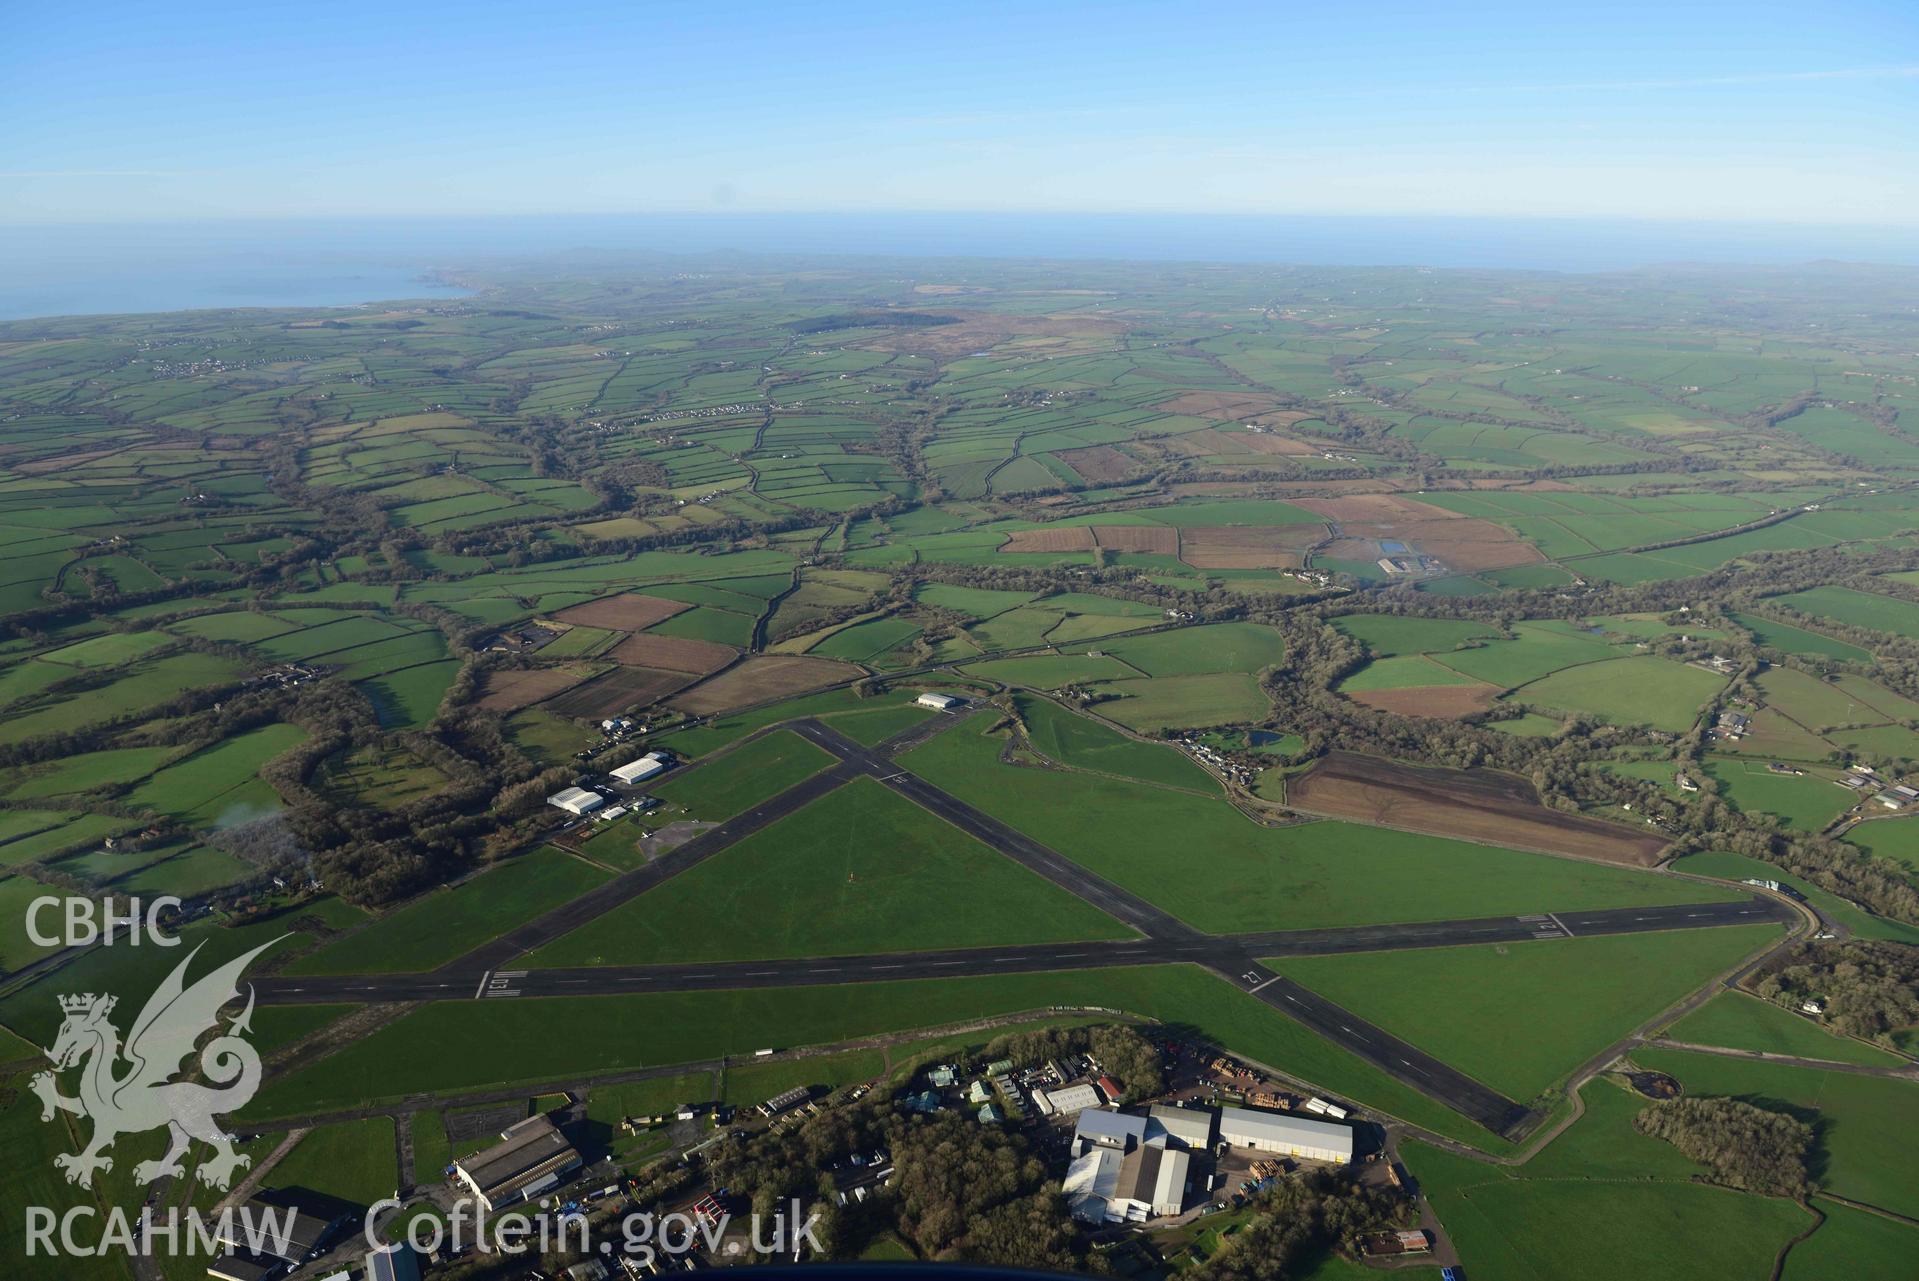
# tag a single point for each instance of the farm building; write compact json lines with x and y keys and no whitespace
{"x":639,"y":771}
{"x":1070,"y":1099}
{"x":528,"y":1161}
{"x":576,"y":800}
{"x":938,"y":702}
{"x":1291,"y":1135}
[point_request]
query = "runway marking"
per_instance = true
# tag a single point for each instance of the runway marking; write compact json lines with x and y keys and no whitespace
{"x":1268,"y":983}
{"x":1554,"y":918}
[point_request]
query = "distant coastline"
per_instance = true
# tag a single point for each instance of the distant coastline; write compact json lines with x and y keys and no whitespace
{"x":131,"y":268}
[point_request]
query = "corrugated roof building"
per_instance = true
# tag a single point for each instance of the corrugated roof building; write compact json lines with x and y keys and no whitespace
{"x":529,"y":1160}
{"x":1281,"y":1132}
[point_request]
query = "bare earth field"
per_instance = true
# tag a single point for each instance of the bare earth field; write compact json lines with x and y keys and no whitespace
{"x":1233,"y":406}
{"x":631,"y":612}
{"x":1444,"y":702}
{"x":617,"y":691}
{"x":1097,"y":463}
{"x":1210,"y":441}
{"x":1471,"y":805}
{"x":674,"y":653}
{"x":1068,"y":538}
{"x":760,"y":680}
{"x":509,"y":691}
{"x":1463,"y":542}
{"x":1249,"y":546}
{"x":1158,"y":539}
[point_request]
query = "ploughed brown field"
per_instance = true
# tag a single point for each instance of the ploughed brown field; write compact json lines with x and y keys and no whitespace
{"x":1486,"y":806}
{"x":630,"y":612}
{"x":1084,"y":538}
{"x":509,"y":691}
{"x":1444,"y":702}
{"x":1249,"y":546}
{"x":1065,"y":538}
{"x":619,"y":690}
{"x":1210,"y":441}
{"x":674,"y":653}
{"x":1097,"y":464}
{"x":1462,"y":542}
{"x":1160,"y":539}
{"x":762,"y":679}
{"x":1233,"y":406}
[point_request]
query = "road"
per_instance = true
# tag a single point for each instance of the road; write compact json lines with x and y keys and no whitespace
{"x":488,"y":972}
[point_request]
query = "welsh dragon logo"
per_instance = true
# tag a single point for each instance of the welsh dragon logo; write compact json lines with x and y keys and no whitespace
{"x":126,"y":1089}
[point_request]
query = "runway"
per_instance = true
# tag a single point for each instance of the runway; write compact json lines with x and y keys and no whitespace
{"x":488,"y":972}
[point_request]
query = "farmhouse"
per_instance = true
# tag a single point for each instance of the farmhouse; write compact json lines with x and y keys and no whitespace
{"x":576,"y":800}
{"x":639,"y":771}
{"x":529,"y":1160}
{"x":938,"y":702}
{"x":1292,"y":1135}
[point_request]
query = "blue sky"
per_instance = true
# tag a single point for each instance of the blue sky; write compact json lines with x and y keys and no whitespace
{"x":1777,"y":112}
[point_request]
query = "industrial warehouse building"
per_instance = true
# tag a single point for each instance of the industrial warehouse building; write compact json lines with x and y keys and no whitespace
{"x":1188,"y":1127}
{"x":264,"y":1240}
{"x":1105,"y":1186}
{"x":1104,"y":1128}
{"x":393,"y":1263}
{"x":641,"y":770}
{"x":938,"y":702}
{"x":576,"y":800}
{"x":1289,"y":1135}
{"x":526,"y":1163}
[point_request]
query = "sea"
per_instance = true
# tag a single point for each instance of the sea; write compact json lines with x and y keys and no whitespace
{"x":154,"y":267}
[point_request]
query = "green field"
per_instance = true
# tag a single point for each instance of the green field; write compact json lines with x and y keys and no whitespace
{"x":1390,"y":635}
{"x":862,"y":869}
{"x":1627,"y":691}
{"x":1407,"y":671}
{"x":1563,"y":1000}
{"x":1797,"y":640}
{"x":1806,"y":801}
{"x":1184,"y":702}
{"x":1601,"y":1201}
{"x":1861,"y":1128}
{"x":353,"y":1160}
{"x":1889,"y":838}
{"x":1857,"y":1245}
{"x":442,"y":924}
{"x":735,"y":782}
{"x":454,"y":1045}
{"x":1734,"y":867}
{"x":1858,"y":609}
{"x":1083,"y":743}
{"x":1739,"y":1021}
{"x":1213,"y":867}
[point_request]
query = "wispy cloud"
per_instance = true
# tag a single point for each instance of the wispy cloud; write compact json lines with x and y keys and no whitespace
{"x":1712,"y":82}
